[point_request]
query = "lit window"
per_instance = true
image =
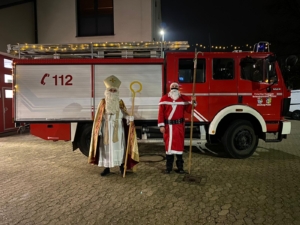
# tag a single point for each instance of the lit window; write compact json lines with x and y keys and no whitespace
{"x":7,"y":63}
{"x":8,"y":93}
{"x":8,"y":78}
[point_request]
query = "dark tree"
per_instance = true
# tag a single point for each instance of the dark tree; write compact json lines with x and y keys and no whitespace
{"x":282,"y":20}
{"x":282,"y":27}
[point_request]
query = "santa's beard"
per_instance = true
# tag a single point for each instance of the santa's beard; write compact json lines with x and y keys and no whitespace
{"x":112,"y":102}
{"x":174,"y":94}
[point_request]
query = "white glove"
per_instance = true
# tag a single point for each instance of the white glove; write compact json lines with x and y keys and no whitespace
{"x":129,"y":119}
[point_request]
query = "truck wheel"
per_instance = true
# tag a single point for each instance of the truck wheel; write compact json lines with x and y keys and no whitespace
{"x":296,"y":115}
{"x":240,"y":140}
{"x":85,"y":138}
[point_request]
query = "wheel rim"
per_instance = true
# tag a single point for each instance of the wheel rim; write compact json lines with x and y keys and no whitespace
{"x":243,"y":140}
{"x":297,"y":115}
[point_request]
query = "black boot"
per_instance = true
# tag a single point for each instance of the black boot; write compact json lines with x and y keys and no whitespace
{"x":105,"y":172}
{"x":179,"y":164}
{"x":122,"y":169}
{"x":169,"y":164}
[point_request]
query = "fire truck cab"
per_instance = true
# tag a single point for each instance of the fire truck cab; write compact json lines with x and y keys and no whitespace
{"x":241,"y":96}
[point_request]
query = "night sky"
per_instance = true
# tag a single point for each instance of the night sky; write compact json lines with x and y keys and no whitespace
{"x":233,"y":22}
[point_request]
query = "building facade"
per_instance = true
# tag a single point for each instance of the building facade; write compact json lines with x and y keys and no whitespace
{"x":79,"y":21}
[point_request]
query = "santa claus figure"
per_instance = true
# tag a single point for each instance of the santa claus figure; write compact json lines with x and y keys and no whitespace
{"x":172,"y":107}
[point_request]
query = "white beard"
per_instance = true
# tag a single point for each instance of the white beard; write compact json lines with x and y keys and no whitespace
{"x":174,"y":94}
{"x":112,"y":105}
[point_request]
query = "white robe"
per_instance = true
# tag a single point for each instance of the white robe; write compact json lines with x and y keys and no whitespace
{"x":112,"y":154}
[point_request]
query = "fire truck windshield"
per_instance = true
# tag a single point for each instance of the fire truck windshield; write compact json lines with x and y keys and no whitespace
{"x":258,"y":70}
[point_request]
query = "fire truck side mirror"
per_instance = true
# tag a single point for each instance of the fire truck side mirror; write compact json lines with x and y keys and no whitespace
{"x":291,"y":61}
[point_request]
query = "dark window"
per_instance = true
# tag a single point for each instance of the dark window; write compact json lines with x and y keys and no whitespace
{"x":186,"y":71}
{"x":259,"y":70}
{"x":95,"y":17}
{"x":223,"y":69}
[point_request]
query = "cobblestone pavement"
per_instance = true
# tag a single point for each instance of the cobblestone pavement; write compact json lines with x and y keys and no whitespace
{"x":43,"y":182}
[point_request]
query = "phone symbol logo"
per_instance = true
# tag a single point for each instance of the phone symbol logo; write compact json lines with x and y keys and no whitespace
{"x":44,"y":77}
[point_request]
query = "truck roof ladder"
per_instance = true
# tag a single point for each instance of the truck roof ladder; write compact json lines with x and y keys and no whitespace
{"x":141,"y":49}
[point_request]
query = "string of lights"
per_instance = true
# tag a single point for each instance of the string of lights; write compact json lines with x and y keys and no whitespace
{"x":100,"y":49}
{"x":245,"y":47}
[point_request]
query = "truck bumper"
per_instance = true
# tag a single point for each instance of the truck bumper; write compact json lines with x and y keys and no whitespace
{"x":283,"y":131}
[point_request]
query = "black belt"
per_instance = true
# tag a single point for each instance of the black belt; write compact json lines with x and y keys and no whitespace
{"x":174,"y":121}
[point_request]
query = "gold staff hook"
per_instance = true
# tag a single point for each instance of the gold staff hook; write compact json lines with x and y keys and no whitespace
{"x":133,"y":91}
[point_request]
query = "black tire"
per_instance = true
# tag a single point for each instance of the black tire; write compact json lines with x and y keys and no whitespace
{"x":85,"y":139}
{"x":240,"y":140}
{"x":296,"y":115}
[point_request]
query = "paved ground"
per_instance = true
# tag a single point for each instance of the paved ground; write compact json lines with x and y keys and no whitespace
{"x":43,"y":182}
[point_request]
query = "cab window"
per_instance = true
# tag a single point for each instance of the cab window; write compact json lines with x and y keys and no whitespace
{"x":223,"y":69}
{"x":186,"y":71}
{"x":259,"y":70}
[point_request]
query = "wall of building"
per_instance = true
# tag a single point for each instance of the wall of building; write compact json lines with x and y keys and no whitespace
{"x":17,"y":25}
{"x":132,"y":21}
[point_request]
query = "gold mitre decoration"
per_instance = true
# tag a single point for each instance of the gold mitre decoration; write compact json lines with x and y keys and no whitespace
{"x":112,"y":82}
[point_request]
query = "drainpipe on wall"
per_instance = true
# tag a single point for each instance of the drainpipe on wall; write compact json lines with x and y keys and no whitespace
{"x":36,"y":39}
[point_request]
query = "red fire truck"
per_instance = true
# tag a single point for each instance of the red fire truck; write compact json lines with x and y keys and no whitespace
{"x":241,"y":96}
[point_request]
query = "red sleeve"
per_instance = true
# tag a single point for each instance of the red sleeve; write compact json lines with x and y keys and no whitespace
{"x":188,"y":107}
{"x":161,"y":112}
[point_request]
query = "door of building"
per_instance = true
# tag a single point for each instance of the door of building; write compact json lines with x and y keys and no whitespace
{"x":6,"y":94}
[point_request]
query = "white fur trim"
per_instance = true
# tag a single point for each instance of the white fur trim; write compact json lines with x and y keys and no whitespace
{"x":172,"y":152}
{"x":174,"y":83}
{"x":173,"y":103}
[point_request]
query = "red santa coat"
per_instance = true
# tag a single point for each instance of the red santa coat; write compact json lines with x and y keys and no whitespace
{"x":170,"y":109}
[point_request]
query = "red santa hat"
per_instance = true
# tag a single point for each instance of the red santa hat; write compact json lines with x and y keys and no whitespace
{"x":174,"y":83}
